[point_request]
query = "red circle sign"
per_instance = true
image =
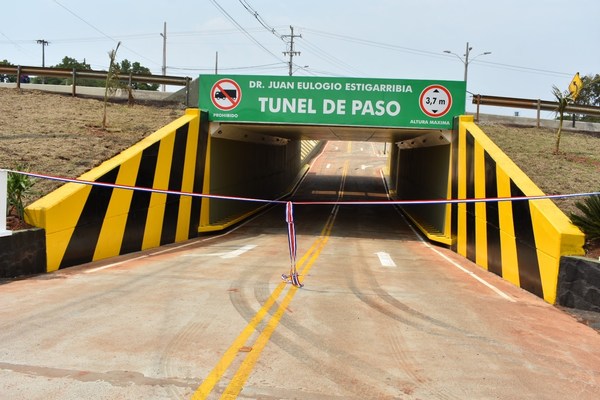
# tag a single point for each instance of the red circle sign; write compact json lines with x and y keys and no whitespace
{"x":435,"y":101}
{"x":226,"y":94}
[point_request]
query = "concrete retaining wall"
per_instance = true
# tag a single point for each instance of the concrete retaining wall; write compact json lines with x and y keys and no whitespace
{"x":23,"y":253}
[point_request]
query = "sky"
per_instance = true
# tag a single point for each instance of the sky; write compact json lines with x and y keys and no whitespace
{"x":534,"y":44}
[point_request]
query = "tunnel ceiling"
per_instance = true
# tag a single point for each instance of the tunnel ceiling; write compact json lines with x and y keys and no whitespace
{"x":404,"y":137}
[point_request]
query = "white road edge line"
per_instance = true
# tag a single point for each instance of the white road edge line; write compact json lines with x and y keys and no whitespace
{"x":88,"y":271}
{"x":473,"y":275}
{"x":457,"y":265}
{"x":478,"y":278}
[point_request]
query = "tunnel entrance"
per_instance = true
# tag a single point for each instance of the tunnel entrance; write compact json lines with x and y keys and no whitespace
{"x":254,"y":137}
{"x":257,"y":125}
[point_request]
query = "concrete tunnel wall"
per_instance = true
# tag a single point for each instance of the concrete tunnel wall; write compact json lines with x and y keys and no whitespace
{"x":86,"y":223}
{"x":521,"y":241}
{"x":422,"y":173}
{"x":251,"y":170}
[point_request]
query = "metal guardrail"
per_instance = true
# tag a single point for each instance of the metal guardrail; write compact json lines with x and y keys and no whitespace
{"x":531,"y":104}
{"x":74,"y":74}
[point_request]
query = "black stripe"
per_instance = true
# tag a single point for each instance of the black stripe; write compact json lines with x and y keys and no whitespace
{"x":470,"y":155}
{"x":140,"y":201}
{"x":169,"y":225}
{"x":494,"y":251}
{"x":199,"y":174}
{"x":454,"y":187}
{"x":527,"y":260}
{"x":84,"y":239}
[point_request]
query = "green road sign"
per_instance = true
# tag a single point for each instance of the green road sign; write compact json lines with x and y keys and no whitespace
{"x":332,"y":101}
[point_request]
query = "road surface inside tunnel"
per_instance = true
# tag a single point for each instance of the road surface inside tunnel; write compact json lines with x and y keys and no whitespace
{"x":383,"y":314}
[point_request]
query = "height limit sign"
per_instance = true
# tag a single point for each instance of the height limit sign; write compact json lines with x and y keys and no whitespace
{"x":226,"y":94}
{"x":435,"y":101}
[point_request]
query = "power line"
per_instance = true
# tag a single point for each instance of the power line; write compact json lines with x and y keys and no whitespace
{"x":84,"y":21}
{"x":260,"y":19}
{"x":372,"y":43}
{"x":134,"y":36}
{"x":429,"y":53}
{"x":101,"y":32}
{"x":262,"y":66}
{"x":525,"y":69}
{"x":14,"y":43}
{"x":244,"y":31}
{"x":291,"y":52}
{"x":328,"y":57}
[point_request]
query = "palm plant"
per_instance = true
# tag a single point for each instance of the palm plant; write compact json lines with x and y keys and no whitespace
{"x":112,"y":80}
{"x":589,"y":222}
{"x":564,"y":99}
{"x":17,"y":186}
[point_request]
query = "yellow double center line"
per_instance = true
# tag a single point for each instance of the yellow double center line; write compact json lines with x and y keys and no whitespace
{"x":244,"y":370}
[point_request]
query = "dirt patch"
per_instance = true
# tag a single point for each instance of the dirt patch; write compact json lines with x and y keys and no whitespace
{"x":62,"y":135}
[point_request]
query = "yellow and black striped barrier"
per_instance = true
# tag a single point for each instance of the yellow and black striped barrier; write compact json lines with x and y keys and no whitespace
{"x":522,"y":241}
{"x":85,"y":223}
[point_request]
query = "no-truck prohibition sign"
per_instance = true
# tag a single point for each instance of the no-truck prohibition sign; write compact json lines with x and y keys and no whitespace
{"x":435,"y":101}
{"x":226,"y":94}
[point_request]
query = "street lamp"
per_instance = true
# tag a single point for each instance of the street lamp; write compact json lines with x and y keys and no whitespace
{"x":466,"y":60}
{"x":300,"y":67}
{"x":164,"y":60}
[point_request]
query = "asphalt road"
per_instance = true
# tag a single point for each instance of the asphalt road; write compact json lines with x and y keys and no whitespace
{"x":382,"y":314}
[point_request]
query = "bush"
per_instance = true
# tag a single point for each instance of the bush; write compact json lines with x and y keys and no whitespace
{"x":17,"y":185}
{"x":589,"y":222}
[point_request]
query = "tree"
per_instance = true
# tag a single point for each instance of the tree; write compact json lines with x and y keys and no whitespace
{"x":590,"y":95}
{"x":136,"y":68}
{"x":590,"y":92}
{"x":4,"y":77}
{"x":71,"y":63}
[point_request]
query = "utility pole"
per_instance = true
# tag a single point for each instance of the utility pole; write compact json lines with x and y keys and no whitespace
{"x":467,"y":51}
{"x":291,"y":52}
{"x":466,"y":60}
{"x":44,"y":43}
{"x":164,"y":63}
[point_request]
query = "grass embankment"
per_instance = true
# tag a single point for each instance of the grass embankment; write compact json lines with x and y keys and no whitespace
{"x":575,"y":170}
